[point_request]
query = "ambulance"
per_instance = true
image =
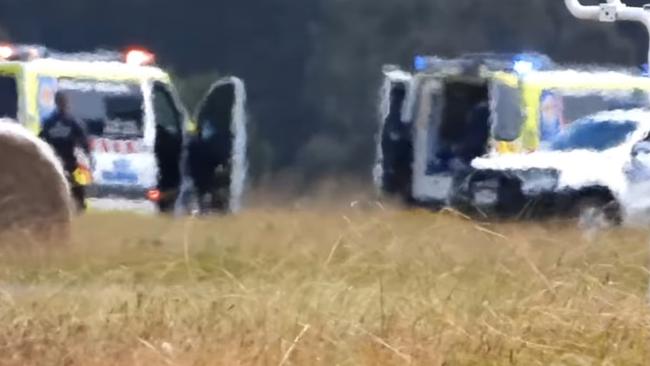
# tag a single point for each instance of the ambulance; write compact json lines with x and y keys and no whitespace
{"x":435,"y":120}
{"x":138,"y":127}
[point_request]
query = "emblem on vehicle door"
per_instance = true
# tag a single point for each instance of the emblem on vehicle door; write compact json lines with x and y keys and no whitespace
{"x":122,"y":173}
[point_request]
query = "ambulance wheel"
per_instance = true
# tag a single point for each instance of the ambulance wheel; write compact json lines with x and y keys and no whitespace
{"x":599,"y":211}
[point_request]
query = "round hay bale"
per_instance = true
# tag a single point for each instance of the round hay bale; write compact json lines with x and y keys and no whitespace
{"x":34,"y":193}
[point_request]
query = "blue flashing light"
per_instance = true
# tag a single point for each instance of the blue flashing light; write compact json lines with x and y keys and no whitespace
{"x":645,"y":70}
{"x":420,"y":63}
{"x":526,"y":62}
{"x":520,"y":63}
{"x":523,"y":67}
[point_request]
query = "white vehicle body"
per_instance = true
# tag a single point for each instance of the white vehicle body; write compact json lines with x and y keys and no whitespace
{"x":580,"y":169}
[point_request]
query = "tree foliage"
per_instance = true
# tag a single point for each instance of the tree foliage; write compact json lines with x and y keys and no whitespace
{"x":312,"y":67}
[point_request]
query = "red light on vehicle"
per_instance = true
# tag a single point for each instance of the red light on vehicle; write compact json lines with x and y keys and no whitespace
{"x":140,"y":57}
{"x":154,"y":195}
{"x":33,"y":53}
{"x":6,"y":52}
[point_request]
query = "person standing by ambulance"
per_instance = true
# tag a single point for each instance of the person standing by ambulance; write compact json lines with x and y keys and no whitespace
{"x":64,"y":133}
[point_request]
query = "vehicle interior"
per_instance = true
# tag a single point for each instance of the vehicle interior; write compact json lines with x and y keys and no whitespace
{"x":463,"y":128}
{"x":8,"y":97}
{"x":168,"y":144}
{"x":211,"y":150}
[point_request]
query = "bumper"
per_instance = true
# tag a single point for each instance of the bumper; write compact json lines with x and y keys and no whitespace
{"x":510,"y":194}
{"x":122,"y":205}
{"x":117,"y":192}
{"x":128,"y":198}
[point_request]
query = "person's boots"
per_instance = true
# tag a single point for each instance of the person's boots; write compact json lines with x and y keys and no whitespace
{"x":79,"y":197}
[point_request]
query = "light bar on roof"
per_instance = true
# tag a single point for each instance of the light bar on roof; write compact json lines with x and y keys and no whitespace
{"x":420,"y":63}
{"x":526,"y":62}
{"x":523,"y":66}
{"x":140,"y":57}
{"x":134,"y":56}
{"x":10,"y":52}
{"x":645,"y":70}
{"x":423,"y":63}
{"x":6,"y":51}
{"x":521,"y":63}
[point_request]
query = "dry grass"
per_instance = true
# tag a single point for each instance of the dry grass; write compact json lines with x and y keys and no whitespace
{"x":337,"y":287}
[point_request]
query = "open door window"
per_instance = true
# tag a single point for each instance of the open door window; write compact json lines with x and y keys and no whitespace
{"x":506,"y":107}
{"x":394,"y":157}
{"x":217,"y":152}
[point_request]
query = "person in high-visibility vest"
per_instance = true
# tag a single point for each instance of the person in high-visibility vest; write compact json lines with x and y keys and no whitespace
{"x":64,"y":133}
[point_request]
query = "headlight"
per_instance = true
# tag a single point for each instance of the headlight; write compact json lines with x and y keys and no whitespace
{"x":485,"y":193}
{"x":536,"y":181}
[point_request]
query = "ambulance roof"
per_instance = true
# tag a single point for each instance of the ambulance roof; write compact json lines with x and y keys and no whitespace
{"x":105,"y":70}
{"x":398,"y":75}
{"x":101,"y":65}
{"x":568,"y":77}
{"x":529,"y":67}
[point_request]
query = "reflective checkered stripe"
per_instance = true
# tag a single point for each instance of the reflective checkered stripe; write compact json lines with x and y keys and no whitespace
{"x":103,"y":145}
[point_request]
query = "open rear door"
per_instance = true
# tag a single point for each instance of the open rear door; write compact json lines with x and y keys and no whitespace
{"x":432,"y":179}
{"x":217,"y":153}
{"x":394,"y":157}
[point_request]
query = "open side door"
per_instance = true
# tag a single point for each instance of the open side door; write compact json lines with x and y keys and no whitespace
{"x":506,"y":112}
{"x":168,"y":144}
{"x":218,"y":151}
{"x":394,"y":155}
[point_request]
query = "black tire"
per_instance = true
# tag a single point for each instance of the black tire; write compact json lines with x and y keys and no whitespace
{"x":599,"y":210}
{"x":167,"y":204}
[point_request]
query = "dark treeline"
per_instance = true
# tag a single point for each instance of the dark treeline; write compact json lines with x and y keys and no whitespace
{"x":313,"y":66}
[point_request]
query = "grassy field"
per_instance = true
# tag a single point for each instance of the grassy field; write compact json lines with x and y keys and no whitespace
{"x":326,"y":287}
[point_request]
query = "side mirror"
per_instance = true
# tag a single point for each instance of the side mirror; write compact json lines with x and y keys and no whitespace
{"x":641,"y":148}
{"x":637,"y":170}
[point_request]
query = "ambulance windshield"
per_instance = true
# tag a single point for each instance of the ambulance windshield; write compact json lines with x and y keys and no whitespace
{"x":589,"y":134}
{"x":109,"y":109}
{"x":572,"y":106}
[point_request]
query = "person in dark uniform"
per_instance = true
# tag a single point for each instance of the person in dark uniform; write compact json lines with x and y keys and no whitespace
{"x":475,"y":144}
{"x":64,"y":133}
{"x":210,"y":166}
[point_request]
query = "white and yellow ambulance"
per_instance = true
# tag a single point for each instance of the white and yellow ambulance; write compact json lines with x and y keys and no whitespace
{"x":137,"y":125}
{"x":450,"y":111}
